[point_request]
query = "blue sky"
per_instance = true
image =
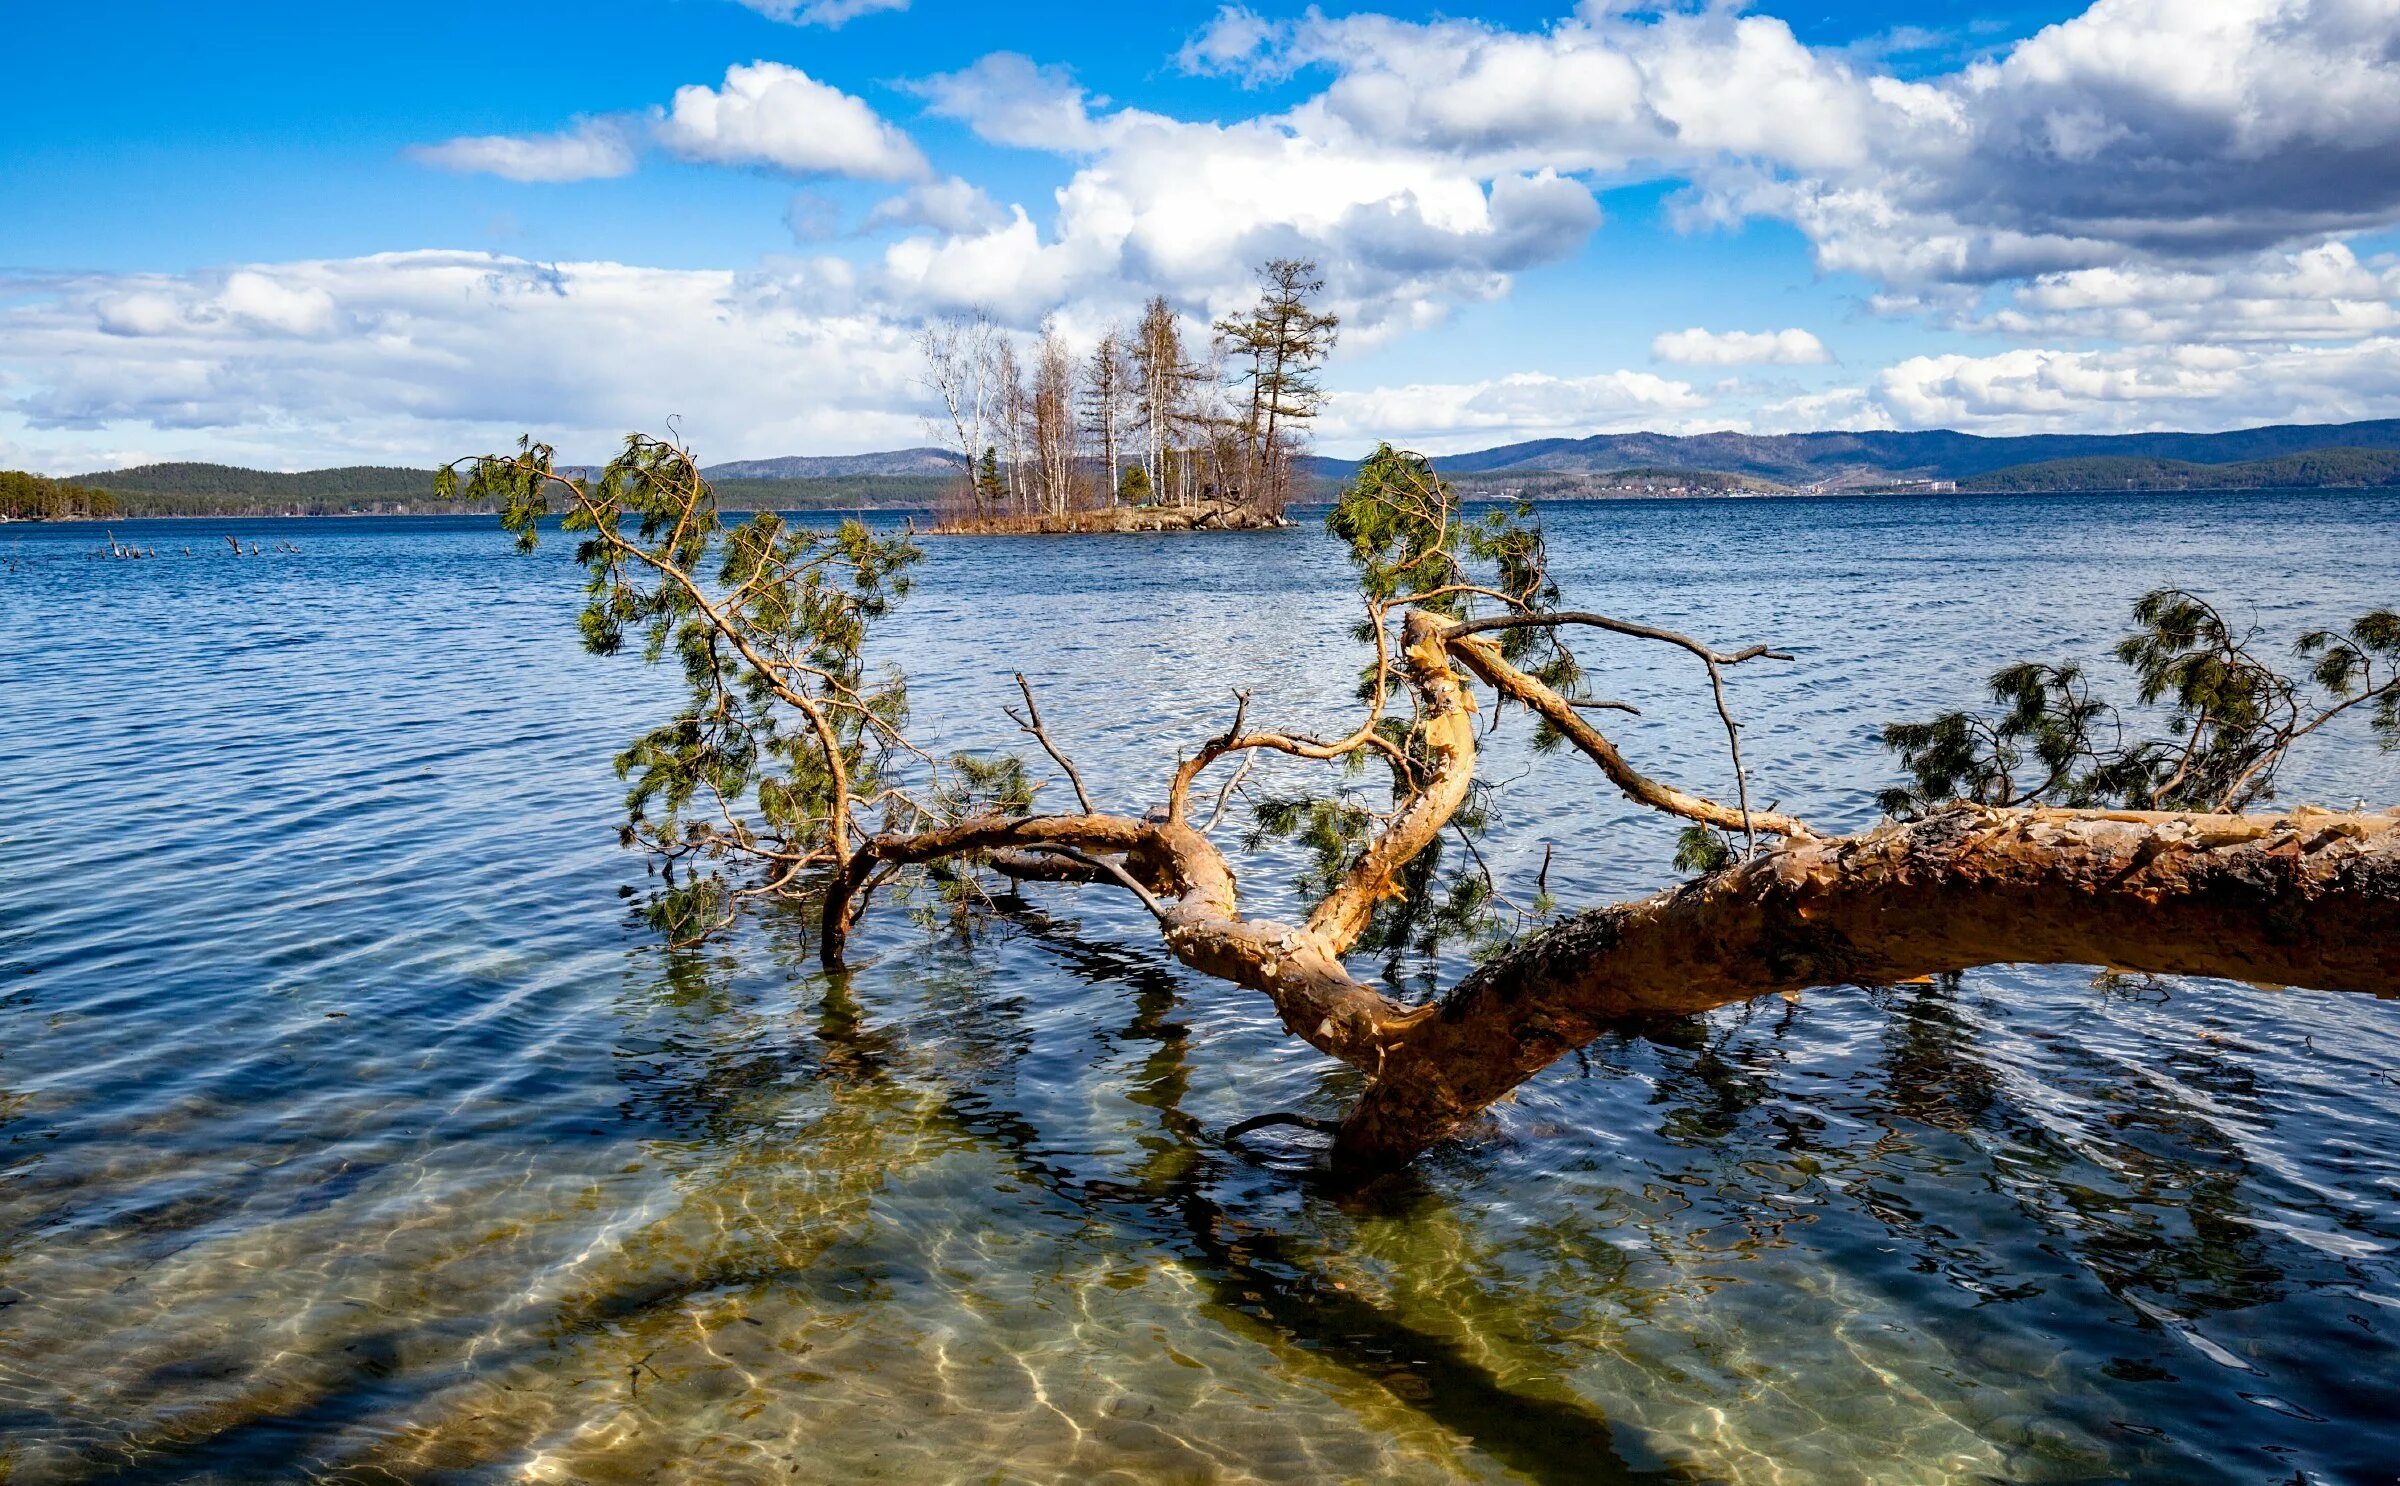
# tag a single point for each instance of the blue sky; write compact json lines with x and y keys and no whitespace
{"x":393,"y":232}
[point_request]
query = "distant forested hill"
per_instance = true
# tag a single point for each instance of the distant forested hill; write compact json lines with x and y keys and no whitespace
{"x":1604,"y":464}
{"x":898,"y":462}
{"x":231,"y":482}
{"x":228,"y":490}
{"x":832,"y":493}
{"x":2319,"y":469}
{"x":1850,"y":460}
{"x":1540,"y":484}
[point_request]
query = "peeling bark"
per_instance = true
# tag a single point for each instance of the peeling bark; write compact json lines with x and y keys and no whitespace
{"x":1446,"y":726}
{"x":2311,"y":898}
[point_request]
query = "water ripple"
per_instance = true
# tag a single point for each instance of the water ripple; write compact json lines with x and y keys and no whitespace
{"x":352,"y":1132}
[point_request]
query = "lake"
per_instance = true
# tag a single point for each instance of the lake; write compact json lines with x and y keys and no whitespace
{"x":355,"y":1132}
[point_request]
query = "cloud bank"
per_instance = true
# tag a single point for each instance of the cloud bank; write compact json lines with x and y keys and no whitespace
{"x":2152,"y":214}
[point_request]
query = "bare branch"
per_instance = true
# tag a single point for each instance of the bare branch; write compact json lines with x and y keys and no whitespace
{"x":1225,"y":795}
{"x":1484,"y":659}
{"x":1616,"y":627}
{"x":1031,"y":722}
{"x":1108,"y":868}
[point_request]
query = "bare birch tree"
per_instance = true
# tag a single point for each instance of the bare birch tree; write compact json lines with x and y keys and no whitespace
{"x":1056,"y":441}
{"x":959,"y":353}
{"x":1108,"y":399}
{"x":1163,"y":375}
{"x":1014,"y":403}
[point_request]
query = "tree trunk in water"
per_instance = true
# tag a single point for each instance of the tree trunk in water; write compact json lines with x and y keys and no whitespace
{"x":2308,"y":899}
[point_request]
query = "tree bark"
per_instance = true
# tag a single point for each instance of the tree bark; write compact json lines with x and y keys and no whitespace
{"x":2308,"y":898}
{"x":2311,"y":899}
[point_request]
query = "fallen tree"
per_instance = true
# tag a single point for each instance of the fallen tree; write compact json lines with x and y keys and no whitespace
{"x":2039,"y":836}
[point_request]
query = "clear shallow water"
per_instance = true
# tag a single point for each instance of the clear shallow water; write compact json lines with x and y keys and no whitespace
{"x":351,"y":1133}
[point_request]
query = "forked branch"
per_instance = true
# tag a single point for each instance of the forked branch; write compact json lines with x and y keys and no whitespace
{"x":2307,"y":898}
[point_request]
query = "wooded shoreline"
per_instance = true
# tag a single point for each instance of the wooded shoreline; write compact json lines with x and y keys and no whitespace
{"x":932,"y":521}
{"x":1109,"y":521}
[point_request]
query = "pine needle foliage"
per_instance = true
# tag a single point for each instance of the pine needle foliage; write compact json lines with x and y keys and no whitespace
{"x":784,"y":738}
{"x":1412,"y":544}
{"x":2228,"y":717}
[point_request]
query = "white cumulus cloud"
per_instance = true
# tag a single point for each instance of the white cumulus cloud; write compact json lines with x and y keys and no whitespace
{"x":2165,"y":128}
{"x":949,"y":205}
{"x":2142,"y":388}
{"x":410,"y":357}
{"x":1012,"y":100}
{"x":1440,"y":417}
{"x":595,"y":149}
{"x":772,"y":115}
{"x":1697,"y":347}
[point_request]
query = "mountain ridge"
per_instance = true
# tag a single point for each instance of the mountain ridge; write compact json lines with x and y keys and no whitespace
{"x":1830,"y":459}
{"x":1868,"y":457}
{"x":921,"y":460}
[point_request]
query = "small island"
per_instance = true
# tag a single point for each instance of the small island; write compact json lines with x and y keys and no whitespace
{"x":1138,"y":435}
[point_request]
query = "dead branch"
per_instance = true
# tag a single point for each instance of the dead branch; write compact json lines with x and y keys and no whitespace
{"x":1553,"y":620}
{"x":1031,"y":722}
{"x":1484,"y":659}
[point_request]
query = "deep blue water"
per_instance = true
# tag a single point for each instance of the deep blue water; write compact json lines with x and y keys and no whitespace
{"x":352,"y":1130}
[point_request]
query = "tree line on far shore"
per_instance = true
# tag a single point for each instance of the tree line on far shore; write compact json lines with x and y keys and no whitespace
{"x":1141,"y":419}
{"x":26,"y":497}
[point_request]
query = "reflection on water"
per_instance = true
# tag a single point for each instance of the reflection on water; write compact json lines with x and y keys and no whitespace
{"x":352,"y":1133}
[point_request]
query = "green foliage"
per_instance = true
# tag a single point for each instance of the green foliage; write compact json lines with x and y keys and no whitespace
{"x":782,"y":731}
{"x":1445,"y":896}
{"x":1703,"y":849}
{"x":995,"y":785}
{"x":1412,"y":545}
{"x":1133,"y":487}
{"x":1284,"y":340}
{"x":987,"y":475}
{"x":2229,"y":718}
{"x":25,"y":497}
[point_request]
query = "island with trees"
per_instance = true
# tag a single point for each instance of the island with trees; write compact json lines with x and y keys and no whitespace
{"x":2052,"y":829}
{"x":1140,"y":434}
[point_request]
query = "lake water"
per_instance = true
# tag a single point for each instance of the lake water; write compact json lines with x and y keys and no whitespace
{"x":353,"y":1132}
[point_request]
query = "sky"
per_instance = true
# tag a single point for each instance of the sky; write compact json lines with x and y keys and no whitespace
{"x":297,"y":234}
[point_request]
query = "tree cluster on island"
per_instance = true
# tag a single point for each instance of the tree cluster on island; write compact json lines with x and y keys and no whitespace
{"x":2051,"y":832}
{"x":25,"y":497}
{"x":1138,"y":421}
